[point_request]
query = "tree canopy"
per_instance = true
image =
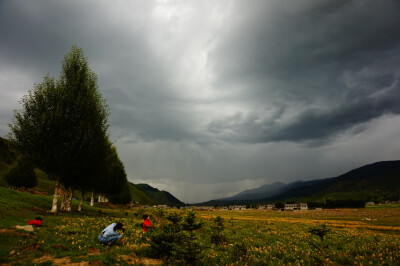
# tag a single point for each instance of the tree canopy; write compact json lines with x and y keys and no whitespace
{"x":63,"y":127}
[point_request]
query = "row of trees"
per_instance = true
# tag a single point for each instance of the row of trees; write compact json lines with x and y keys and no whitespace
{"x":63,"y":129}
{"x":332,"y":204}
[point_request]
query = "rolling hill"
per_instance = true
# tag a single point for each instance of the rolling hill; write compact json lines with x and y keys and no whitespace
{"x":161,"y":197}
{"x":139,"y":193}
{"x":379,"y":181}
{"x":259,"y":193}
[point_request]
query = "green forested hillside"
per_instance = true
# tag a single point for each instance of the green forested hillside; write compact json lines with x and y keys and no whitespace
{"x":139,"y":195}
{"x":45,"y":186}
{"x":378,"y":182}
{"x":162,"y":197}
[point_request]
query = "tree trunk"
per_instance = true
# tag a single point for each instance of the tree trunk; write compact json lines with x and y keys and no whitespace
{"x":92,"y":199}
{"x":68,"y":207}
{"x":80,"y":203}
{"x":63,"y":200}
{"x":55,"y":198}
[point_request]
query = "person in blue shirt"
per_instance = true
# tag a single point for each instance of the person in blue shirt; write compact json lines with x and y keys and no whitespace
{"x":109,"y":235}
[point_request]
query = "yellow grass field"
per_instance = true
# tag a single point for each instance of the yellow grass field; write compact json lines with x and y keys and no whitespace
{"x":369,"y":236}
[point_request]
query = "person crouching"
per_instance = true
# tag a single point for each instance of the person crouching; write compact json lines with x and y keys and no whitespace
{"x":109,"y":235}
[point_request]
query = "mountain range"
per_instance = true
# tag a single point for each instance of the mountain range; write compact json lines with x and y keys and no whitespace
{"x":378,"y":181}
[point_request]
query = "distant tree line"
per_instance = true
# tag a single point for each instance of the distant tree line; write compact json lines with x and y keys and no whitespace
{"x":63,"y":129}
{"x":332,"y":204}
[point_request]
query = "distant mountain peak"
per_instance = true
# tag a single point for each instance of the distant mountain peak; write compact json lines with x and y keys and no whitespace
{"x":147,"y":187}
{"x":379,"y":179}
{"x":260,"y":192}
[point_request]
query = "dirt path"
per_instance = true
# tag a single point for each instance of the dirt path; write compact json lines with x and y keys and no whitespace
{"x":67,"y":260}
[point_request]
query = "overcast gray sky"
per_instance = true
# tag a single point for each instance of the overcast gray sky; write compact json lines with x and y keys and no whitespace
{"x":209,"y":98}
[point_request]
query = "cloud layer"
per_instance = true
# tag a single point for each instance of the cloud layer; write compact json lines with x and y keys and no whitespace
{"x":210,"y":98}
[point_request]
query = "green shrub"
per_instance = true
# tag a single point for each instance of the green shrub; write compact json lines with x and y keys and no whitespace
{"x":162,"y":242}
{"x":177,"y":242}
{"x":21,"y":175}
{"x":217,"y":237}
{"x":175,"y":219}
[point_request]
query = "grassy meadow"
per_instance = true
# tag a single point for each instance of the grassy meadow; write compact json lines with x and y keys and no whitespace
{"x":251,"y":237}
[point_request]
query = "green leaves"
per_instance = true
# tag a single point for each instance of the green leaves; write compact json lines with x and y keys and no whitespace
{"x":62,"y":128}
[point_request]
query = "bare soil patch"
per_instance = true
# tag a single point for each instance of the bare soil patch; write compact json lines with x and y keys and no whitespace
{"x":93,"y":251}
{"x":14,"y":233}
{"x":67,"y":260}
{"x":148,"y":261}
{"x":28,"y":228}
{"x":59,"y":246}
{"x":32,"y":247}
{"x":59,"y":261}
{"x":133,"y":259}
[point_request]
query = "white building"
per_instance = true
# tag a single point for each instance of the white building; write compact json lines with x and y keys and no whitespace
{"x":303,"y":206}
{"x":291,"y":206}
{"x":296,"y":206}
{"x":237,"y":207}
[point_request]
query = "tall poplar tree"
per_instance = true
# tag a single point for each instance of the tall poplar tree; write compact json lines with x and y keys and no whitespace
{"x":112,"y":180}
{"x":63,"y":125}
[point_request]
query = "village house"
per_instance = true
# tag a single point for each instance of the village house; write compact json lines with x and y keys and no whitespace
{"x":296,"y":206}
{"x":270,"y":206}
{"x":303,"y":206}
{"x":205,"y":208}
{"x":291,"y":206}
{"x":237,"y":207}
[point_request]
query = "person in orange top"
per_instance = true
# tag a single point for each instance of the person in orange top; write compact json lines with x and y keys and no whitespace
{"x":146,"y":223}
{"x":37,"y":221}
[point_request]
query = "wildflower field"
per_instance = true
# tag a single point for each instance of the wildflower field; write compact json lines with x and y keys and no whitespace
{"x":369,"y":236}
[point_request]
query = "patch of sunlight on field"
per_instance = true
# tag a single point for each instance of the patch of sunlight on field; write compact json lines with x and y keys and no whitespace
{"x":378,"y":219}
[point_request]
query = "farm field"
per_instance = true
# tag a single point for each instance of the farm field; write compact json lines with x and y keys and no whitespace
{"x":251,"y":237}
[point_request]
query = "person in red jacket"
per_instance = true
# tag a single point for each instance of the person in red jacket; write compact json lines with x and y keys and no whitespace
{"x":37,"y":221}
{"x":146,"y":223}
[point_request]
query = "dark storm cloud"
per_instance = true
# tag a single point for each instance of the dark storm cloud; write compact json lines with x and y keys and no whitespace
{"x":132,"y":79}
{"x":141,"y":121}
{"x":326,"y":62}
{"x":29,"y":41}
{"x":208,"y":98}
{"x":313,"y":123}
